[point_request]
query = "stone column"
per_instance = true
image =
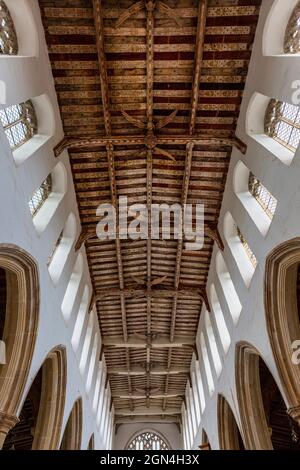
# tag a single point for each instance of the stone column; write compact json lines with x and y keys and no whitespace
{"x":7,"y":422}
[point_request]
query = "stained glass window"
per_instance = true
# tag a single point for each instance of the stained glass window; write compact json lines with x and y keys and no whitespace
{"x":147,"y":441}
{"x":247,"y":248}
{"x":40,"y":196}
{"x":262,"y":195}
{"x":19,"y":122}
{"x":8,"y":37}
{"x":282,"y":123}
{"x":55,"y":247}
{"x":292,"y":33}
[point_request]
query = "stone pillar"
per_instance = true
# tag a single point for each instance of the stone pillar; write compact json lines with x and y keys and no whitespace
{"x":7,"y":422}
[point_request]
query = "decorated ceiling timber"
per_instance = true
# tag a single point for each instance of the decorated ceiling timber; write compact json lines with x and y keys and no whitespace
{"x":149,"y":94}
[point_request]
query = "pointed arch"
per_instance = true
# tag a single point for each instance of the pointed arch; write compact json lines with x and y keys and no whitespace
{"x":53,"y":394}
{"x":73,"y":431}
{"x":282,"y":316}
{"x":229,"y":434}
{"x":19,"y":332}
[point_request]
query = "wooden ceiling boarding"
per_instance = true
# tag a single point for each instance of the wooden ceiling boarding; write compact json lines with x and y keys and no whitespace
{"x":149,"y":94}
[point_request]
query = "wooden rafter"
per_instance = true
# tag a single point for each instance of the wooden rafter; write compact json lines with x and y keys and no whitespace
{"x":202,"y":12}
{"x":98,"y":20}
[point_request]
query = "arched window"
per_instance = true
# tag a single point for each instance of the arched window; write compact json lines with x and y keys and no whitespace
{"x":80,"y":320}
{"x":60,"y":252}
{"x":247,"y":248}
{"x":292,"y":33}
{"x":230,"y":293}
{"x":199,"y":385}
{"x":209,"y":377}
{"x":240,"y":249}
{"x":282,"y":123}
{"x":72,"y":289}
{"x":8,"y":36}
{"x":262,"y":196}
{"x":148,"y":441}
{"x":255,"y":197}
{"x":50,"y":257}
{"x":220,"y":321}
{"x":213,"y":345}
{"x":19,"y":122}
{"x":40,"y":196}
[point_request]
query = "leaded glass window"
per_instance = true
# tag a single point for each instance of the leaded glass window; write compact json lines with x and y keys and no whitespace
{"x":19,"y":122}
{"x":40,"y":195}
{"x":282,"y":123}
{"x":147,"y":441}
{"x":55,"y":247}
{"x":262,"y":196}
{"x":292,"y":33}
{"x":247,"y":248}
{"x":8,"y":37}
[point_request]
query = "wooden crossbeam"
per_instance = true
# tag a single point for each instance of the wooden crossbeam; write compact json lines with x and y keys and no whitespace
{"x":144,"y":411}
{"x":70,"y":143}
{"x":150,"y":419}
{"x":159,"y":342}
{"x":141,"y":370}
{"x":133,"y":292}
{"x":138,"y":396}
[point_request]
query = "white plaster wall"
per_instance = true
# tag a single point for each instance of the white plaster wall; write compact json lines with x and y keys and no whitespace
{"x":125,"y":432}
{"x":21,"y":78}
{"x":273,"y":77}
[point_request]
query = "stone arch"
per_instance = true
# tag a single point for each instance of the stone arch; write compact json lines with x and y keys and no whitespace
{"x":265,"y":420}
{"x":51,"y":412}
{"x":20,"y":330}
{"x":91,"y":444}
{"x":71,"y":439}
{"x":255,"y":429}
{"x":229,"y":434}
{"x":40,"y":419}
{"x":282,"y":272}
{"x":205,"y":444}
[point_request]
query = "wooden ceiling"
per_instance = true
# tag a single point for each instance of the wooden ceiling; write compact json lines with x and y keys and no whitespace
{"x":149,"y":94}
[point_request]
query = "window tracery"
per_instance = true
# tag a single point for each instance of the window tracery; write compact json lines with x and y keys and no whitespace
{"x":292,"y":33}
{"x":147,"y":441}
{"x":19,"y":122}
{"x":262,"y":196}
{"x":40,"y":195}
{"x":8,"y":36}
{"x":282,"y":123}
